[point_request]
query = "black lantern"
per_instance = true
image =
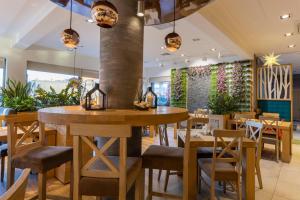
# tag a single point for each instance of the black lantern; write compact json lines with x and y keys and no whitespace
{"x":104,"y":13}
{"x":150,"y":97}
{"x":69,"y":36}
{"x":95,"y":99}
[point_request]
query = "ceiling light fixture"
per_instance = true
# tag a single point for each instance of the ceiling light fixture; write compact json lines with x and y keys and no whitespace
{"x":173,"y":40}
{"x":141,"y":8}
{"x":90,"y":20}
{"x":70,"y":37}
{"x":288,"y":34}
{"x":75,"y":80}
{"x":104,"y":13}
{"x":213,"y":49}
{"x":162,"y":47}
{"x":285,"y":16}
{"x":182,"y":55}
{"x":292,"y":46}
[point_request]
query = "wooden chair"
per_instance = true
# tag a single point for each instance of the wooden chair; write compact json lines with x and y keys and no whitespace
{"x":241,"y":120}
{"x":275,"y":115}
{"x":104,"y":175}
{"x":223,"y":167}
{"x":271,"y":133}
{"x":168,"y":158}
{"x":254,"y":132}
{"x":30,"y":151}
{"x":17,"y":191}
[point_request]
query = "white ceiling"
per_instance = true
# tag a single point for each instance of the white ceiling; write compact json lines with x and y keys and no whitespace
{"x":236,"y":28}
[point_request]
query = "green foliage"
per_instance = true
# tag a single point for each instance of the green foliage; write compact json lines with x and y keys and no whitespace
{"x":17,"y":95}
{"x":222,"y":104}
{"x":179,"y":93}
{"x":66,"y":97}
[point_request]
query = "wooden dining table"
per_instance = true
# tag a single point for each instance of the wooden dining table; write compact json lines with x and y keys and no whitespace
{"x":248,"y":164}
{"x":286,"y":138}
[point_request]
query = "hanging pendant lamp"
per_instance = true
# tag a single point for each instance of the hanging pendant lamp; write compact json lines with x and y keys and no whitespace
{"x":69,"y":36}
{"x":173,"y":40}
{"x":104,"y":13}
{"x":75,"y":81}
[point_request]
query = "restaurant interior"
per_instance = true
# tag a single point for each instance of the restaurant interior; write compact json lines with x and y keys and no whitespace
{"x":149,"y":99}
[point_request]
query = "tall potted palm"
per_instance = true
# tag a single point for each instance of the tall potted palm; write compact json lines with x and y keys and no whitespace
{"x":221,"y":106}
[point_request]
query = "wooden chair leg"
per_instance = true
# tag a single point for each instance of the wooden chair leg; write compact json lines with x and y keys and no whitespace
{"x":2,"y":168}
{"x":42,"y":185}
{"x":10,"y":175}
{"x":71,"y":180}
{"x":212,"y":190}
{"x":159,"y":175}
{"x":258,"y":174}
{"x":238,"y":190}
{"x":167,"y":180}
{"x":277,"y":151}
{"x":140,"y":186}
{"x":150,"y":177}
{"x":199,"y":179}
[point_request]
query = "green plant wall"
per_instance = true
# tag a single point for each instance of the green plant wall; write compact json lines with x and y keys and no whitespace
{"x":231,"y":83}
{"x":179,"y":88}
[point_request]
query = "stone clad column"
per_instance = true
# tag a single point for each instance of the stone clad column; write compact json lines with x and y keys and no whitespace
{"x":121,"y":56}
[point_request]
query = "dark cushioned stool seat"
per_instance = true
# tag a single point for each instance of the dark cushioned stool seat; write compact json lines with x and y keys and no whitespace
{"x":225,"y":170}
{"x":92,"y":186}
{"x":3,"y":150}
{"x":163,"y":157}
{"x":42,"y":159}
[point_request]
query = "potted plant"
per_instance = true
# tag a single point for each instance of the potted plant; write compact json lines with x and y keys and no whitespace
{"x":18,"y":96}
{"x":221,"y":105}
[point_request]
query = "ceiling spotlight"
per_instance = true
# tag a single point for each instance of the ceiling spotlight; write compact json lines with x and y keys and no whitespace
{"x":288,"y":34}
{"x":292,"y":46}
{"x":90,"y":20}
{"x":141,"y":8}
{"x":161,"y":65}
{"x":163,"y":47}
{"x":186,"y":60}
{"x":182,"y":55}
{"x":285,"y":16}
{"x":213,"y":49}
{"x":104,"y":13}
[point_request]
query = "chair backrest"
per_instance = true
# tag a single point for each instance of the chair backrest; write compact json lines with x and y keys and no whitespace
{"x":186,"y":160}
{"x":83,"y":135}
{"x":270,"y":125}
{"x":27,"y":124}
{"x":254,"y":132}
{"x":266,"y":114}
{"x":17,"y":190}
{"x":241,"y":120}
{"x":163,"y":135}
{"x":227,"y":140}
{"x":5,"y":112}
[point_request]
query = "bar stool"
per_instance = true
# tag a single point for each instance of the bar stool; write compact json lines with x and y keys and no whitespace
{"x":30,"y":151}
{"x":102,"y":175}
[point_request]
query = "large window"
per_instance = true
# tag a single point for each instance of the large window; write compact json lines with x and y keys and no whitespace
{"x":162,"y":89}
{"x":44,"y":75}
{"x":2,"y":71}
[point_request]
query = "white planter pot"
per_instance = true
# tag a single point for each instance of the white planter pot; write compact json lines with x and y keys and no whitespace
{"x":218,"y":121}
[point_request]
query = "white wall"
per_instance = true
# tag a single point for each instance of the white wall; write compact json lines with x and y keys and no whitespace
{"x":17,"y":59}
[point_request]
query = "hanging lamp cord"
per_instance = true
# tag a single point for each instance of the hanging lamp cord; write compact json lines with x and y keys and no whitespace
{"x":174,"y":15}
{"x":71,"y":14}
{"x":74,"y":61}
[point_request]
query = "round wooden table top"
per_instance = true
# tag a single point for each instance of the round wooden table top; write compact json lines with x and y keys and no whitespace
{"x":76,"y":114}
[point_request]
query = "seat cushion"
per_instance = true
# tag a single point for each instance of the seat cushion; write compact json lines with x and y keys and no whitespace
{"x":224,"y":171}
{"x":42,"y":159}
{"x":3,"y":150}
{"x":163,"y":157}
{"x":92,"y":186}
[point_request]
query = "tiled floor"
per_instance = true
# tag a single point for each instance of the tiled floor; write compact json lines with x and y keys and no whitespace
{"x":281,"y":181}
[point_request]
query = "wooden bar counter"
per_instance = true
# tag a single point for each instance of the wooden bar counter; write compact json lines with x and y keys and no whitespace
{"x":62,"y":117}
